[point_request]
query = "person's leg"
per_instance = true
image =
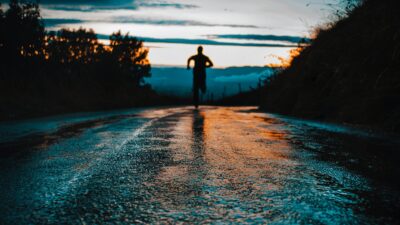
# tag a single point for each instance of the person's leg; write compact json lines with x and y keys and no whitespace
{"x":195,"y":91}
{"x":203,"y":82}
{"x":196,"y":97}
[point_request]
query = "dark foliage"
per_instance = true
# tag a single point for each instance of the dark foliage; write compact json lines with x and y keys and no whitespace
{"x":350,"y":72}
{"x":68,"y":70}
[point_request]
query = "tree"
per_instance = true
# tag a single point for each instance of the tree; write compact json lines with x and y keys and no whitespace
{"x":66,"y":69}
{"x":73,"y":46}
{"x":2,"y":31}
{"x":24,"y":31}
{"x":2,"y":40}
{"x":131,"y":56}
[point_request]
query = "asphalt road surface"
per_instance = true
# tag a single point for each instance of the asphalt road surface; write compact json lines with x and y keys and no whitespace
{"x":180,"y":165}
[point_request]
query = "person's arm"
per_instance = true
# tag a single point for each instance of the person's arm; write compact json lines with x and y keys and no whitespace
{"x":209,"y":62}
{"x":188,"y":62}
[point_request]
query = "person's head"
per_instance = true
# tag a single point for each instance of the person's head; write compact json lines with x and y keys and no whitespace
{"x":200,"y":49}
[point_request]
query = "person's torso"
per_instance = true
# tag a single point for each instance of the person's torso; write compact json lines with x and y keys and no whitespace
{"x":200,"y":62}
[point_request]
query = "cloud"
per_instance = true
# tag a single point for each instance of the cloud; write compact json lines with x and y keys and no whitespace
{"x":167,"y":5}
{"x":84,"y":5}
{"x":175,"y":22}
{"x":88,"y":5}
{"x":211,"y":42}
{"x":88,"y":8}
{"x":150,"y":21}
{"x":290,"y":39}
{"x":95,"y":5}
{"x":93,"y":2}
{"x":54,"y":22}
{"x":204,"y":42}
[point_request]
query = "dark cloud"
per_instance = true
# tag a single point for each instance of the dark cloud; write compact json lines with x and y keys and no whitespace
{"x":87,"y":2}
{"x":88,"y":8}
{"x":93,"y":5}
{"x":123,"y":19}
{"x":175,"y":22}
{"x":165,"y":5}
{"x":211,"y":42}
{"x":291,"y":39}
{"x":88,"y":5}
{"x":84,"y":5}
{"x":55,"y":22}
{"x":93,"y":2}
{"x":204,"y":42}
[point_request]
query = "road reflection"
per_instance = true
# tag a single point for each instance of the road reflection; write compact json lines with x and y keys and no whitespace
{"x":198,"y":167}
{"x":180,"y":184}
{"x":213,"y":165}
{"x":242,"y":156}
{"x":233,"y":166}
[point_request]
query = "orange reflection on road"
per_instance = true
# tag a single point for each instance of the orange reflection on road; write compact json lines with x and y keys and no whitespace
{"x":236,"y":151}
{"x":240,"y":152}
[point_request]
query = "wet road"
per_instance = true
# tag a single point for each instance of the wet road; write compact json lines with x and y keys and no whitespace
{"x":177,"y":165}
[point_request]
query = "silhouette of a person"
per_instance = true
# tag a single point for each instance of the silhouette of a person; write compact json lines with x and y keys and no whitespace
{"x":201,"y":62}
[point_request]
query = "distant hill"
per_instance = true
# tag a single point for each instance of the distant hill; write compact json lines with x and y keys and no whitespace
{"x":350,"y":73}
{"x":177,"y":81}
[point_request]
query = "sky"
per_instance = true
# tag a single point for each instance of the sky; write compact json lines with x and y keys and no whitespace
{"x":233,"y":32}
